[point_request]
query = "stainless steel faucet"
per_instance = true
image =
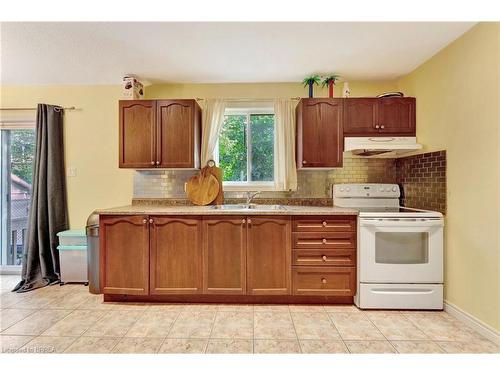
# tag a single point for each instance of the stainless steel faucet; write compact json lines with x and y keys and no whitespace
{"x":251,"y":195}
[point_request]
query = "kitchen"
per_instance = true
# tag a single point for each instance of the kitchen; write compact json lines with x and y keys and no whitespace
{"x":338,"y":224}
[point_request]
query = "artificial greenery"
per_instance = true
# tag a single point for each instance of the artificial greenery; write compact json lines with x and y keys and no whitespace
{"x":330,"y":78}
{"x":312,"y":80}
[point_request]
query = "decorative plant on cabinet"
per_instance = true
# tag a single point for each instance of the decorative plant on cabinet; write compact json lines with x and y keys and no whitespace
{"x":330,"y":82}
{"x":311,"y":81}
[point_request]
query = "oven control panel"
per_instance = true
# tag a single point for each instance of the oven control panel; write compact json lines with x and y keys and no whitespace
{"x":366,"y":191}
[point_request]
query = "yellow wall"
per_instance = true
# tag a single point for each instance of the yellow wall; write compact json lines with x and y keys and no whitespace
{"x":458,"y":110}
{"x":91,"y":143}
{"x":262,"y":90}
{"x":91,"y":134}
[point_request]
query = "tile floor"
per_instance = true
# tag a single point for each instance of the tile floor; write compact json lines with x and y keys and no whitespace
{"x":67,"y":319}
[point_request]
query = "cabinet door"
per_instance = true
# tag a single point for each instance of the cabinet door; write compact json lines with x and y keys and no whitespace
{"x":396,"y":116}
{"x":224,"y":255}
{"x":124,"y":254}
{"x":137,"y":133}
{"x":176,"y":255}
{"x":360,"y":116}
{"x":269,"y":255}
{"x":319,"y":133}
{"x":178,"y":129}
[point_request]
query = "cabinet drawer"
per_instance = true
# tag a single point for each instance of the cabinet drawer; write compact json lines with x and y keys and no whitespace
{"x":306,"y":257}
{"x":324,"y":224}
{"x":328,"y":281}
{"x":326,"y":240}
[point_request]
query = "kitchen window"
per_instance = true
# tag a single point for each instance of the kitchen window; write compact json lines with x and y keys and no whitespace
{"x":245,"y":149}
{"x":17,"y":151}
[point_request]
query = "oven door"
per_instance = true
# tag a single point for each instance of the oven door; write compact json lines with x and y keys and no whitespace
{"x":401,"y":250}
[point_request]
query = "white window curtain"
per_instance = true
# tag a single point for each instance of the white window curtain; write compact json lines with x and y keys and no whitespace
{"x":212,"y":119}
{"x":285,"y":170}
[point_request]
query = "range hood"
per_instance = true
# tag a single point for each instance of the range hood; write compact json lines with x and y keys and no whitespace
{"x":380,"y":147}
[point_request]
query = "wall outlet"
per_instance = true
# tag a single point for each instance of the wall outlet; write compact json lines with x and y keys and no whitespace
{"x":71,"y":172}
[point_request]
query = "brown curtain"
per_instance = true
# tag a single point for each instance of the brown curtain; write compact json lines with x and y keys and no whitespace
{"x":48,"y":208}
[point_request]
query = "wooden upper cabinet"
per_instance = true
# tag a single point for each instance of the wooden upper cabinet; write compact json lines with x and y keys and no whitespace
{"x":379,"y":116}
{"x":224,"y":255}
{"x":319,"y":133}
{"x":269,"y":254}
{"x":360,"y":116}
{"x":159,"y":133}
{"x":124,"y":252}
{"x":176,"y":255}
{"x":178,"y":133}
{"x":396,"y":116}
{"x":137,"y":133}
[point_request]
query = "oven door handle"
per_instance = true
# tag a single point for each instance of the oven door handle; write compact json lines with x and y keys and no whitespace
{"x":407,"y":222}
{"x":401,"y":290}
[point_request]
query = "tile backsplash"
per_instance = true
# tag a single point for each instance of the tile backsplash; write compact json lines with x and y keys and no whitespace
{"x":423,"y":178}
{"x":310,"y":183}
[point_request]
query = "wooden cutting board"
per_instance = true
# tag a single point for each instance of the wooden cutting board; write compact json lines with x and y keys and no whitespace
{"x":203,"y":188}
{"x":217,"y":173}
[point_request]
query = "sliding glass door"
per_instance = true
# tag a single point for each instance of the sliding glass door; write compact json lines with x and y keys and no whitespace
{"x":17,"y":148}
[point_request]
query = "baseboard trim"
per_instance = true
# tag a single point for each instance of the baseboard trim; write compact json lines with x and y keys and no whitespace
{"x":471,"y":321}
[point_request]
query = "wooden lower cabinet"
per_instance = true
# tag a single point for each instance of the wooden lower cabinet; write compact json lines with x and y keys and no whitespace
{"x":176,"y":255}
{"x":324,"y":281}
{"x":124,"y":254}
{"x":227,"y":255}
{"x":269,"y":255}
{"x":224,"y":255}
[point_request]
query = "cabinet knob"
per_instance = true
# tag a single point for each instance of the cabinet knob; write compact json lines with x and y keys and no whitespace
{"x":323,"y":280}
{"x":243,"y":221}
{"x":324,"y":223}
{"x":249,"y":221}
{"x":382,"y":126}
{"x":152,"y":162}
{"x":377,"y":126}
{"x":324,"y":258}
{"x":304,"y":162}
{"x":324,"y":240}
{"x":157,"y":163}
{"x":144,"y":221}
{"x":150,"y":221}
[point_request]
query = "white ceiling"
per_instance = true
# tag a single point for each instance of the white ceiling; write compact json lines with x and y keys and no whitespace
{"x":101,"y":53}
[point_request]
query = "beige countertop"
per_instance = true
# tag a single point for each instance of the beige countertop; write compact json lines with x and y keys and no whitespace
{"x":212,"y":210}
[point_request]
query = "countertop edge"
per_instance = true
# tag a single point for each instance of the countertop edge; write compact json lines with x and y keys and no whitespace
{"x":205,"y":211}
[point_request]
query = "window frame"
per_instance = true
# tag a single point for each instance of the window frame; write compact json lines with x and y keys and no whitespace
{"x":250,"y":185}
{"x":9,"y":124}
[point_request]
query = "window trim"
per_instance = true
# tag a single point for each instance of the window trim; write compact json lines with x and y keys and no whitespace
{"x":249,"y":185}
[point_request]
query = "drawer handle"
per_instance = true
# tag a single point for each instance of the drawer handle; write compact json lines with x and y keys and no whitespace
{"x":323,"y":280}
{"x":324,"y":258}
{"x":144,"y":221}
{"x":324,"y":223}
{"x":324,"y":241}
{"x":152,"y":163}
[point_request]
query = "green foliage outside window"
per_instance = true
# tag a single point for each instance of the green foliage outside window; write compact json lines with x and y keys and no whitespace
{"x":233,"y":147}
{"x":22,"y":148}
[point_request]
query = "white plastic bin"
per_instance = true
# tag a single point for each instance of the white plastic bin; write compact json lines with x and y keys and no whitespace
{"x":72,"y":237}
{"x":73,"y":256}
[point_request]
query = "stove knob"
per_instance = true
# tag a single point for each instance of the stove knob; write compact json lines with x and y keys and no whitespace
{"x":347,"y":189}
{"x":341,"y":189}
{"x":394,"y":189}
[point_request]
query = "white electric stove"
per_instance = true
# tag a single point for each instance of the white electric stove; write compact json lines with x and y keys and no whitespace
{"x":400,"y":249}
